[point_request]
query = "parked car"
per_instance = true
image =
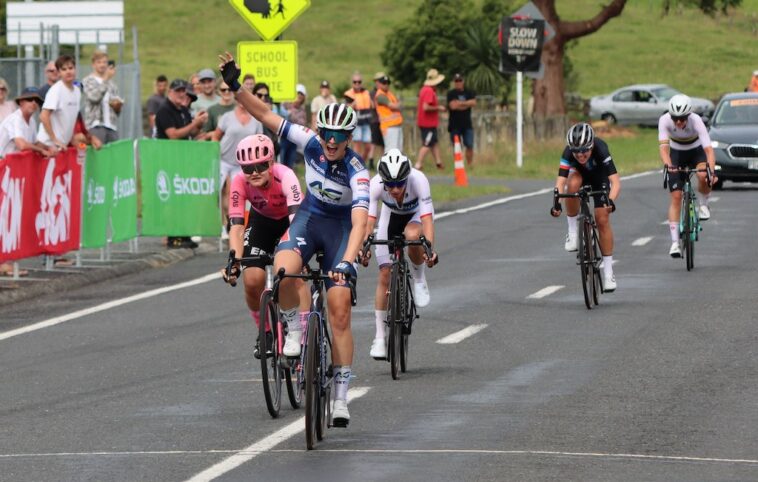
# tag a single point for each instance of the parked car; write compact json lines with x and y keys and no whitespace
{"x":734,"y":137}
{"x":641,"y":104}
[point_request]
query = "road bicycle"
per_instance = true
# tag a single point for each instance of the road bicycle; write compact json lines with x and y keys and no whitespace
{"x":689,"y":219}
{"x":401,"y":308}
{"x":588,"y":256}
{"x":315,"y":374}
{"x":275,"y":367}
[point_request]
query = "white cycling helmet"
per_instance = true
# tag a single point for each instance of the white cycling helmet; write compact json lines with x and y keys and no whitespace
{"x":394,"y":166}
{"x":580,"y":136}
{"x":337,"y":117}
{"x":680,"y":105}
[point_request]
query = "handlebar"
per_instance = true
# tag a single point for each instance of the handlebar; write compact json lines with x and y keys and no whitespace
{"x":317,"y":275}
{"x":233,"y":262}
{"x":583,"y":192}
{"x":399,"y":241}
{"x":687,"y":171}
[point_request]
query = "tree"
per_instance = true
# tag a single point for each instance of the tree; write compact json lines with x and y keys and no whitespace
{"x":549,"y":91}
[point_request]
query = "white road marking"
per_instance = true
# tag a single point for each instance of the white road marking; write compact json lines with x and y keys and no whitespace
{"x":642,"y":241}
{"x":545,"y":292}
{"x":459,"y":336}
{"x":106,"y":306}
{"x":544,"y":453}
{"x":264,"y":445}
{"x":713,"y":199}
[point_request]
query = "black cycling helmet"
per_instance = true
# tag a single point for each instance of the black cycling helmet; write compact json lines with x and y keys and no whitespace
{"x":394,"y":166}
{"x":580,"y":136}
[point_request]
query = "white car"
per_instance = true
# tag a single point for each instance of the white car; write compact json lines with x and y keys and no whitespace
{"x":641,"y":104}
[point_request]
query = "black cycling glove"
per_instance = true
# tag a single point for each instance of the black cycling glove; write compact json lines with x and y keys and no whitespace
{"x":347,"y":269}
{"x":231,"y":74}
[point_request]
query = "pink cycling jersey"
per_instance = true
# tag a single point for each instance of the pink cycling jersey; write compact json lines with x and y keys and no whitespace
{"x":280,"y":198}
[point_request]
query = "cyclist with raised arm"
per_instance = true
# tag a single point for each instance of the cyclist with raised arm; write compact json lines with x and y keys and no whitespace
{"x":406,"y":209}
{"x":274,"y":195}
{"x":684,"y":142}
{"x":586,"y":160}
{"x":332,"y":218}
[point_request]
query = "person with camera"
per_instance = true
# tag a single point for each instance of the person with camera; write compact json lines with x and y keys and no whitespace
{"x":102,"y":104}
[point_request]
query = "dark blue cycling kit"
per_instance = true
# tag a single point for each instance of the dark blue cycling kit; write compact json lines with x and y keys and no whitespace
{"x":333,"y":190}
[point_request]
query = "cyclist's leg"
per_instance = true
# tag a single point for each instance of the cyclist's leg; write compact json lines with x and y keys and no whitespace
{"x":260,"y":238}
{"x":574,"y":183}
{"x":700,"y":162}
{"x":382,"y":285}
{"x":605,"y":233}
{"x":676,"y":183}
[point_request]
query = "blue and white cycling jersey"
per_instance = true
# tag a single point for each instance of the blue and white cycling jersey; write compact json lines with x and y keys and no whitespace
{"x":333,"y":188}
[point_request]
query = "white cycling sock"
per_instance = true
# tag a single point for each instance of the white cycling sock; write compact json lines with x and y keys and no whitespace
{"x":341,"y":382}
{"x":608,"y":266}
{"x":674,"y":230}
{"x":704,"y":199}
{"x":418,"y":272}
{"x":381,"y":315}
{"x":289,"y":316}
{"x":572,"y":224}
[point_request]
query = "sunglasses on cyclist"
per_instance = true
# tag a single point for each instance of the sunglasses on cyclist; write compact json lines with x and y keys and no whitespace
{"x":339,"y":136}
{"x":680,"y":118}
{"x":257,"y":168}
{"x":390,"y":185}
{"x":580,"y":150}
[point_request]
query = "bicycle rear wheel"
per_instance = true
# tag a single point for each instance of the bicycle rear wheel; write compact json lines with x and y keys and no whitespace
{"x":271,"y":372}
{"x":583,"y":256}
{"x":408,"y":314}
{"x":597,"y":284}
{"x":394,"y":311}
{"x":312,"y":382}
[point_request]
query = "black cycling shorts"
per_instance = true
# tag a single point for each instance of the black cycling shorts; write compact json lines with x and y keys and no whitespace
{"x":261,"y":236}
{"x":689,"y":158}
{"x":597,"y":182}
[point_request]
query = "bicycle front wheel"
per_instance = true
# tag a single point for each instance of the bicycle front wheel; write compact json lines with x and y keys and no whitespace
{"x":583,"y":255}
{"x":312,"y":382}
{"x":597,"y":287}
{"x":689,"y":243}
{"x":394,"y":311}
{"x":271,"y":372}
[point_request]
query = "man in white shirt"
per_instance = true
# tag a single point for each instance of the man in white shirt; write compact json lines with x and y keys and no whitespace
{"x":61,"y":107}
{"x":18,"y":132}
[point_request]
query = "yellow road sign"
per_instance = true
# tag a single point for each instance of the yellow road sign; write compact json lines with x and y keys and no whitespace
{"x":270,"y":17}
{"x":274,"y":63}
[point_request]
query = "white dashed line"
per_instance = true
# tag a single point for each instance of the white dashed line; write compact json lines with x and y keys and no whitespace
{"x":545,"y":292}
{"x":713,"y":199}
{"x":642,"y":241}
{"x":264,"y":445}
{"x":459,"y":336}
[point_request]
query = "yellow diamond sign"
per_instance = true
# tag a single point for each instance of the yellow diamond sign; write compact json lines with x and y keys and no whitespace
{"x":270,"y":17}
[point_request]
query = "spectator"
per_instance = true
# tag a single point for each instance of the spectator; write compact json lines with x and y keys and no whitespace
{"x":260,"y":90}
{"x":460,"y":101}
{"x":60,"y":109}
{"x":174,"y":121}
{"x":51,"y":76}
{"x":297,"y":115}
{"x":249,"y":81}
{"x":377,"y":141}
{"x":6,"y":106}
{"x":232,"y":128}
{"x":194,"y":82}
{"x":428,"y":118}
{"x":102,"y":104}
{"x":155,"y":101}
{"x":18,"y":132}
{"x":206,"y":96}
{"x":388,"y":110}
{"x":361,"y":103}
{"x":226,"y":104}
{"x":325,"y":97}
{"x":753,"y":82}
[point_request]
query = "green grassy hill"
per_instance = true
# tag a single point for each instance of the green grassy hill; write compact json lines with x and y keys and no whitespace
{"x":701,"y":55}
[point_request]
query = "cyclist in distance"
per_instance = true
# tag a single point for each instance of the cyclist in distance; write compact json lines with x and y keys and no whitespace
{"x":332,"y":217}
{"x":587,"y":160}
{"x":684,"y":142}
{"x":406,"y":208}
{"x":274,"y":194}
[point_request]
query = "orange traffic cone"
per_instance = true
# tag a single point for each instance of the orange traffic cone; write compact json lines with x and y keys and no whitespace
{"x":460,"y":170}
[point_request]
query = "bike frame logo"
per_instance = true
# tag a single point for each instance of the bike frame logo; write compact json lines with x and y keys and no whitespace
{"x":54,"y":217}
{"x":11,"y":205}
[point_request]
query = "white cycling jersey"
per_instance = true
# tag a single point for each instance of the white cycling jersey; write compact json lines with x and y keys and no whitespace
{"x":694,"y":134}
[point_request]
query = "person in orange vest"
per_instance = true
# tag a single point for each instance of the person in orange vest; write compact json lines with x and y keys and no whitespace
{"x":361,"y":104}
{"x":753,"y":87}
{"x":388,"y":109}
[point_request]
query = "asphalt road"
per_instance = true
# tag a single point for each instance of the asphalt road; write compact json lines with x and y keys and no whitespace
{"x":658,"y":383}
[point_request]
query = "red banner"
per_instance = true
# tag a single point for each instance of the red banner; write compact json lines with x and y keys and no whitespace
{"x":40,"y":204}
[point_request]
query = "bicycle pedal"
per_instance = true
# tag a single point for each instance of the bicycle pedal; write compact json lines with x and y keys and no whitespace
{"x":379,"y":358}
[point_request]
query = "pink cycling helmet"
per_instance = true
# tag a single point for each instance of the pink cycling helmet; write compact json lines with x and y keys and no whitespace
{"x":255,"y":149}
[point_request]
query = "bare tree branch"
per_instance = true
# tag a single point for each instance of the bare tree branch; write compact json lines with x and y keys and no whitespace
{"x":572,"y":30}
